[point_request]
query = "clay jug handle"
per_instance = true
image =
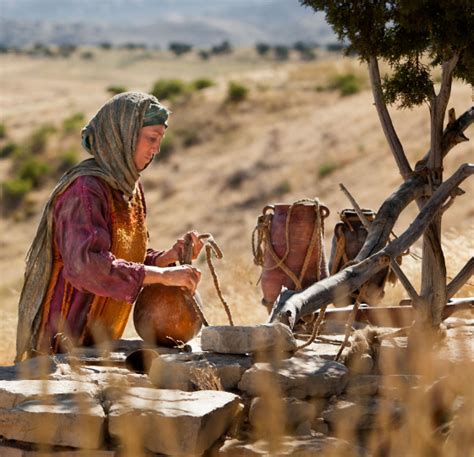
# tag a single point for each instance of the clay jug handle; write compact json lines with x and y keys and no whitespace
{"x":268,"y":208}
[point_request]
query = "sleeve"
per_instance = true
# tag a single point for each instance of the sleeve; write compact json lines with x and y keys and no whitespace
{"x":83,"y":237}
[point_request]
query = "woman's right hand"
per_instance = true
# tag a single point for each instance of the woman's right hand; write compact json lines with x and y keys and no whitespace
{"x":185,"y":276}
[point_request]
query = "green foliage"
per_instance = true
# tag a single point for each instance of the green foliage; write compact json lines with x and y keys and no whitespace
{"x":204,"y":54}
{"x":87,"y":55}
{"x":9,"y":150}
{"x":167,"y":147}
{"x":404,"y":33}
{"x":67,"y":160}
{"x":282,"y":188}
{"x":3,"y":131}
{"x":73,"y":123}
{"x":222,"y":48}
{"x":236,"y":92}
{"x":262,"y":48}
{"x":168,"y":88}
{"x":326,"y":168}
{"x":39,"y":139}
{"x":281,"y":52}
{"x":116,"y":89}
{"x":33,"y":170}
{"x":14,"y":191}
{"x":202,"y":83}
{"x":179,"y":48}
{"x":347,"y":84}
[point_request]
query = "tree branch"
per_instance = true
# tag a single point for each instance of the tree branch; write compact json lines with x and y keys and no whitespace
{"x":386,"y":121}
{"x":461,"y":278}
{"x":290,"y":307}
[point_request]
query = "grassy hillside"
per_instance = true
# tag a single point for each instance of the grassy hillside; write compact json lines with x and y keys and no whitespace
{"x":293,"y":136}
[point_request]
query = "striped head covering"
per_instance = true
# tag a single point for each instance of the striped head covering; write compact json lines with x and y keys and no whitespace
{"x":111,"y":138}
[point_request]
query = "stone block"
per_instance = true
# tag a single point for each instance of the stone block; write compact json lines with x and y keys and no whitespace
{"x":248,"y":339}
{"x":363,"y":385}
{"x":59,"y":413}
{"x":170,"y":421}
{"x":192,"y":371}
{"x":295,"y":377}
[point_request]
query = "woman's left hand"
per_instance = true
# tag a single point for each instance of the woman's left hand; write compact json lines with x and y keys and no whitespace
{"x":178,"y":247}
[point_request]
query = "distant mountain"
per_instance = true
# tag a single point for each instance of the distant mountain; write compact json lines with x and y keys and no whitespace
{"x":158,"y":22}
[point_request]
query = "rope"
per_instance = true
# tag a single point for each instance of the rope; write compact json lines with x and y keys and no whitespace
{"x":211,"y":246}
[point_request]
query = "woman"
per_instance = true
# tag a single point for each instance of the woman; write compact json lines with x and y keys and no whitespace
{"x":89,"y":259}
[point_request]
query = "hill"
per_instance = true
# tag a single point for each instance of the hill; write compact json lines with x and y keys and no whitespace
{"x":294,"y":136}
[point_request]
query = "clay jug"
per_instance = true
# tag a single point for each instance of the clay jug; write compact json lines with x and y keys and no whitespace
{"x":164,"y":315}
{"x":294,"y":254}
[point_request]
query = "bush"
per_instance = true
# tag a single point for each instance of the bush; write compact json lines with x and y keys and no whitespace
{"x":3,"y":131}
{"x":33,"y":170}
{"x":262,"y":48}
{"x":168,"y":145}
{"x":236,"y":92}
{"x":223,"y":48}
{"x":281,"y":52}
{"x":204,"y":55}
{"x":179,"y":48}
{"x":67,"y":160}
{"x":87,"y":55}
{"x":14,"y":191}
{"x":8,"y":150}
{"x":114,"y":90}
{"x":73,"y":123}
{"x":168,"y":88}
{"x":326,"y":168}
{"x":202,"y":83}
{"x":190,"y":137}
{"x":347,"y":84}
{"x":39,"y":138}
{"x":281,"y":189}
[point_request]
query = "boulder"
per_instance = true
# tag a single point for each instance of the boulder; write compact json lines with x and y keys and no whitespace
{"x":363,"y":385}
{"x":170,"y":421}
{"x":59,"y":413}
{"x":196,"y":371}
{"x":295,"y":377}
{"x":248,"y":339}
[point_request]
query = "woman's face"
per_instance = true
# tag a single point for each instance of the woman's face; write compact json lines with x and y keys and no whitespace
{"x":148,"y":144}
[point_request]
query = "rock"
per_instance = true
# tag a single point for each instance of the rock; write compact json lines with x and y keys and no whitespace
{"x":248,"y":339}
{"x":60,"y":413}
{"x":290,"y":413}
{"x":295,"y":377}
{"x":396,"y":386}
{"x":360,"y":364}
{"x":363,"y":385}
{"x":307,"y":446}
{"x":35,"y":368}
{"x":10,"y":451}
{"x":319,"y":425}
{"x":195,"y":370}
{"x":170,"y":421}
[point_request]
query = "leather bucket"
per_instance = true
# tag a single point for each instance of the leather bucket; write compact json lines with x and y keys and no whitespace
{"x":294,"y":254}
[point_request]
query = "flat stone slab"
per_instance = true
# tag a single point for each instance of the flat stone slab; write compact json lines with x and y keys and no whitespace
{"x":170,"y":421}
{"x":248,"y":339}
{"x":13,"y":451}
{"x":194,"y":371}
{"x":316,"y":445}
{"x":36,"y":368}
{"x":296,"y":377}
{"x":60,"y":413}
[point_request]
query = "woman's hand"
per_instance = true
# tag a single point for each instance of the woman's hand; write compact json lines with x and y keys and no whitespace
{"x":185,"y":276}
{"x":178,"y":247}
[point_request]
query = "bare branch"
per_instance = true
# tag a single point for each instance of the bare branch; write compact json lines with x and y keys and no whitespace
{"x":386,"y":121}
{"x":405,"y":282}
{"x":461,"y":278}
{"x":290,"y":307}
{"x":356,"y":207}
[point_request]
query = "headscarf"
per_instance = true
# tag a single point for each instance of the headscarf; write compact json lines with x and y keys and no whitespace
{"x":111,"y":138}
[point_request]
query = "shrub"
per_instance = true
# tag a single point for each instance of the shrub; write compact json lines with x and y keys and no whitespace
{"x":14,"y":191}
{"x":38,"y":140}
{"x":33,"y":170}
{"x":223,"y":48}
{"x":168,"y":88}
{"x":73,"y":123}
{"x":281,"y":52}
{"x":105,"y":45}
{"x":3,"y":131}
{"x":67,"y":160}
{"x":236,"y":92}
{"x":190,"y":138}
{"x":179,"y":48}
{"x":202,"y":83}
{"x":347,"y":84}
{"x":168,"y":145}
{"x":114,"y":90}
{"x":87,"y":55}
{"x":326,"y":168}
{"x":8,"y":150}
{"x":283,"y":188}
{"x":262,"y":48}
{"x":204,"y":55}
